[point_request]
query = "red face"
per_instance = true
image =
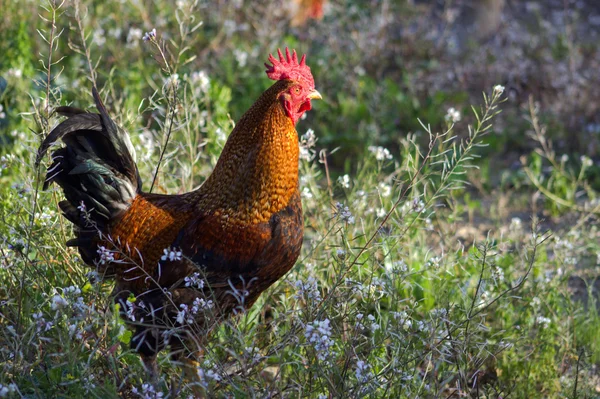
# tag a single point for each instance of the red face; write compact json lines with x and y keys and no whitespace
{"x":296,"y":100}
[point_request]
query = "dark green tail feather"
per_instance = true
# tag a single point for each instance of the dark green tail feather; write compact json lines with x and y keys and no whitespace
{"x":96,"y":167}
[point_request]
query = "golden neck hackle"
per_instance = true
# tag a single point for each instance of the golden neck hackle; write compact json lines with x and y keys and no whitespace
{"x":257,"y":172}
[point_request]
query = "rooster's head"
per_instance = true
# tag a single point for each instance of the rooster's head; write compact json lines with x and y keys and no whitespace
{"x":296,"y":97}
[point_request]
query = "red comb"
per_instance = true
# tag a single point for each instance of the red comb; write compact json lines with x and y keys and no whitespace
{"x":288,"y":67}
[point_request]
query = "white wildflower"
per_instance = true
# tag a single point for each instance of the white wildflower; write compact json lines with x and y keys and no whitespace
{"x":2,"y":113}
{"x":201,"y":304}
{"x":307,"y":289}
{"x":306,"y":193}
{"x":194,"y":281}
{"x":385,"y":190}
{"x":434,"y":262}
{"x":171,"y":254}
{"x":543,"y":321}
{"x":344,"y":181}
{"x":318,"y":334}
{"x":171,"y":82}
{"x":241,"y":57}
{"x":75,"y":331}
{"x":452,"y":115}
{"x":381,"y":153}
{"x":183,"y":316}
{"x":398,"y":266}
{"x":516,"y":224}
{"x":14,"y":73}
{"x":363,"y":371}
{"x":374,"y":325}
{"x":6,"y":390}
{"x":229,"y":27}
{"x":254,"y":353}
{"x":204,"y":376}
{"x":343,"y":212}
{"x":498,"y":89}
{"x":147,"y":392}
{"x":133,"y":36}
{"x":201,"y":81}
{"x":58,"y":302}
{"x":98,"y":37}
{"x":149,"y":36}
{"x":586,"y":162}
{"x":106,"y":255}
{"x":307,"y":143}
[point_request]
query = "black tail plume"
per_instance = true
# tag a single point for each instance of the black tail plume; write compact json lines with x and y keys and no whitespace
{"x":96,"y":167}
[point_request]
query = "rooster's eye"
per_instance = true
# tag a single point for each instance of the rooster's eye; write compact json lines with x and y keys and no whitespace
{"x":296,"y":90}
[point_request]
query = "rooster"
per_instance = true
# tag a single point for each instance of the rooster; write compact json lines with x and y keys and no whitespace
{"x":183,"y":263}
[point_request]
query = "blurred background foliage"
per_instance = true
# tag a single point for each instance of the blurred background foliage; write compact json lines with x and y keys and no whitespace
{"x":381,"y":65}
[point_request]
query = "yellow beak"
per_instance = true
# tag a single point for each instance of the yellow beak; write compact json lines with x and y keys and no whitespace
{"x":315,"y":95}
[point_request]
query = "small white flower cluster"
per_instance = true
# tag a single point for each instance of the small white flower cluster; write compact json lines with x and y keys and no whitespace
{"x":40,"y":322}
{"x":201,"y":81}
{"x":45,"y":217}
{"x":403,"y":319}
{"x":498,"y":89}
{"x":241,"y":57}
{"x":308,"y":289}
{"x":543,"y":321}
{"x":516,"y":224}
{"x":2,"y":113}
{"x":344,"y":181}
{"x":133,"y":36}
{"x":6,"y":390}
{"x":452,"y":115}
{"x":14,"y":73}
{"x":434,"y":262}
{"x":381,"y":153}
{"x":318,"y":333}
{"x":71,"y":298}
{"x":586,"y":161}
{"x":307,"y":144}
{"x":58,"y":302}
{"x":385,"y":190}
{"x":3,"y":162}
{"x":418,"y":205}
{"x":194,"y":281}
{"x":98,"y":37}
{"x":75,"y":331}
{"x":184,"y":315}
{"x":253,"y":353}
{"x":201,"y":304}
{"x":147,"y":392}
{"x":131,"y":308}
{"x":343,"y":212}
{"x":106,"y":255}
{"x":374,"y":326}
{"x":398,"y":266}
{"x":363,"y":371}
{"x":150,"y":36}
{"x":498,"y":274}
{"x":171,"y":254}
{"x":171,"y":83}
{"x":207,"y":375}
